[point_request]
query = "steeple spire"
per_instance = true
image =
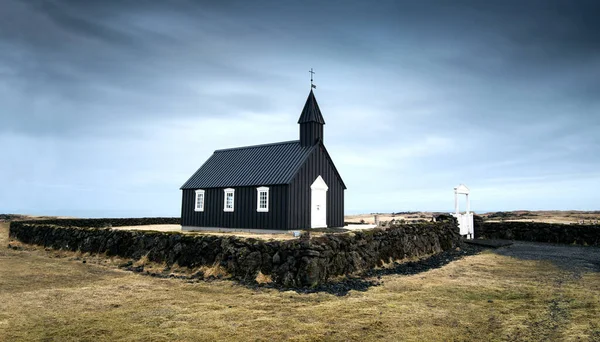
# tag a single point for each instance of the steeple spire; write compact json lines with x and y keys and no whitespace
{"x":311,"y":111}
{"x":311,"y":122}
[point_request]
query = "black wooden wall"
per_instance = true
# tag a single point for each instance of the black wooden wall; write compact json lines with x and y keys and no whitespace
{"x":299,"y":192}
{"x":244,"y":214}
{"x":310,"y":132}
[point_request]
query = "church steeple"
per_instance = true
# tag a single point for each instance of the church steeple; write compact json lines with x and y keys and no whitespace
{"x":311,"y":122}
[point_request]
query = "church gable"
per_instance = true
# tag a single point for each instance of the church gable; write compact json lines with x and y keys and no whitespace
{"x":320,"y":162}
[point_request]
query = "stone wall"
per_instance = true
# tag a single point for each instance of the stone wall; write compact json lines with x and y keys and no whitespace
{"x":291,"y":263}
{"x":540,"y":232}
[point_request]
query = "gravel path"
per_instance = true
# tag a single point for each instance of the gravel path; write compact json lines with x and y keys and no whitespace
{"x":572,"y":258}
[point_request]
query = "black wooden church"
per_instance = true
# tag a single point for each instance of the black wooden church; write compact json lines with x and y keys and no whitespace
{"x":281,"y":186}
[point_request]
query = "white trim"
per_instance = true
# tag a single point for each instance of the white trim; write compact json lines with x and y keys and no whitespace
{"x":199,"y":192}
{"x":232,"y":192}
{"x":462,"y":189}
{"x":319,"y":184}
{"x":258,"y":192}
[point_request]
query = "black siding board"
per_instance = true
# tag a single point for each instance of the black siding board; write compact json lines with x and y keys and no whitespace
{"x":310,"y":133}
{"x":244,"y":214}
{"x":299,"y":193}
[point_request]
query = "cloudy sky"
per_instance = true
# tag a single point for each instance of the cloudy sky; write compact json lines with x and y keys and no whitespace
{"x":107,"y":107}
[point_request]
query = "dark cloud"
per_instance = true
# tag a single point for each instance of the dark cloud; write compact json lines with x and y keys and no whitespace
{"x":85,"y":24}
{"x":90,"y":65}
{"x":496,"y":89}
{"x":113,"y":61}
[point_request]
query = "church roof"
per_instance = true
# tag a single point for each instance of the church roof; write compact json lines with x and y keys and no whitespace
{"x":268,"y":164}
{"x":311,"y":111}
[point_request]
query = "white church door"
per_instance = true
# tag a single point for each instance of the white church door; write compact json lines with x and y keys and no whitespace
{"x":318,"y":203}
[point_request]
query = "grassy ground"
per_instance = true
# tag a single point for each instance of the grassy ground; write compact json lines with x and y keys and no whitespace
{"x":177,"y":228}
{"x":546,"y":216}
{"x":482,"y":297}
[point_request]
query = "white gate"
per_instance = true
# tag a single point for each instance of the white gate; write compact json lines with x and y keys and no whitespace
{"x":465,"y":221}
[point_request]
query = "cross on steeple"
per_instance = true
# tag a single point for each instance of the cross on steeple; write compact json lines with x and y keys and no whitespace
{"x":311,"y":79}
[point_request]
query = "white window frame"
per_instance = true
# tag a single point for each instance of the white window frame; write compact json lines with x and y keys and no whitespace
{"x":199,"y":192}
{"x":232,"y":192}
{"x":258,"y":191}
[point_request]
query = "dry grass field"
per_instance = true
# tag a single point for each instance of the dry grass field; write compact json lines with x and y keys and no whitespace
{"x":547,"y":216}
{"x":177,"y":228}
{"x":370,"y":219}
{"x":47,"y":296}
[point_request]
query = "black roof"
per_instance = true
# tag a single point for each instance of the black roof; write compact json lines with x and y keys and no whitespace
{"x":268,"y":164}
{"x":311,"y":111}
